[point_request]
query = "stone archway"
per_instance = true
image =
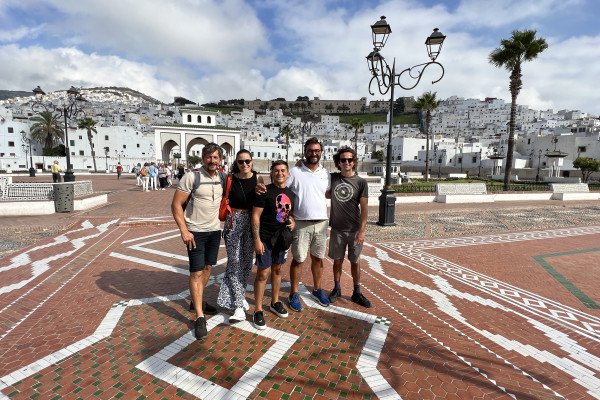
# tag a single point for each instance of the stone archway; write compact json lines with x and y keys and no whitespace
{"x":170,"y":147}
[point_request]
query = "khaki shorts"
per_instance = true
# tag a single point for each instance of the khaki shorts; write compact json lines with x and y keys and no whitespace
{"x":338,"y":241}
{"x":309,"y":235}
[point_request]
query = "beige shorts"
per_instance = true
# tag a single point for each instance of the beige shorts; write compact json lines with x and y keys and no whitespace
{"x":309,"y":235}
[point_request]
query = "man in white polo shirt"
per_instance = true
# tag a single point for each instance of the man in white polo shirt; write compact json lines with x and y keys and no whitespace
{"x":309,"y":182}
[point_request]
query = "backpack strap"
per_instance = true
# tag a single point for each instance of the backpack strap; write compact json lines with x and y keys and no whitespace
{"x":190,"y":201}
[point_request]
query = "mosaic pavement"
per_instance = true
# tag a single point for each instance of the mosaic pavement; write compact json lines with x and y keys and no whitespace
{"x":100,"y":311}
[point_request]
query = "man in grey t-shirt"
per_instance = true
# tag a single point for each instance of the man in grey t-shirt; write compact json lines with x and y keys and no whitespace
{"x":348,"y":220}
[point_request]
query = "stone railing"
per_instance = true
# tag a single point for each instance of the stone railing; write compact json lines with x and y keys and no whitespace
{"x":39,"y":191}
{"x":462,"y":193}
{"x":572,"y":191}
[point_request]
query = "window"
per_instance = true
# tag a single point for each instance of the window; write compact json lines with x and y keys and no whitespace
{"x":189,"y":118}
{"x":208,"y":120}
{"x":105,"y":137}
{"x":422,"y":147}
{"x":71,"y":143}
{"x":124,"y":146}
{"x":11,"y":144}
{"x":80,"y":137}
{"x":199,"y":119}
{"x":258,"y":154}
{"x":138,"y":145}
{"x":10,"y":130}
{"x":474,"y":159}
{"x":81,"y":153}
{"x":581,"y":149}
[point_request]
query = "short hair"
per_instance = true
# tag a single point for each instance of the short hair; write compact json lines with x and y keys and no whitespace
{"x":279,"y":162}
{"x":312,"y":140}
{"x":342,"y":150}
{"x":211,"y":148}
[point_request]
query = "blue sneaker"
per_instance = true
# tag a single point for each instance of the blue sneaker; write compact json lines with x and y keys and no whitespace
{"x":320,"y":297}
{"x":294,"y":302}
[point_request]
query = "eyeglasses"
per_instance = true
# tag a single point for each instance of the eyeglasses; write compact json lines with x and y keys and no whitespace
{"x":311,"y":151}
{"x":346,"y":160}
{"x":247,"y":162}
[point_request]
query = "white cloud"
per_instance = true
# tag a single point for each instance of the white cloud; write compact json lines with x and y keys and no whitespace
{"x":208,"y":50}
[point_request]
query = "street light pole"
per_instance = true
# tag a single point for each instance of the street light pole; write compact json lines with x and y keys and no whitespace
{"x":71,"y":108}
{"x":479,"y":173}
{"x":537,"y":177}
{"x":106,"y":158}
{"x":387,"y":79}
{"x":27,"y":141}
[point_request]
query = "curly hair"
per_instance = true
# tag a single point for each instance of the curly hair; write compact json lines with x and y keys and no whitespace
{"x":342,"y":150}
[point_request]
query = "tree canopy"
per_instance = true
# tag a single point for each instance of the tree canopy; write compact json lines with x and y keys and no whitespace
{"x":47,"y":129}
{"x":587,"y":166}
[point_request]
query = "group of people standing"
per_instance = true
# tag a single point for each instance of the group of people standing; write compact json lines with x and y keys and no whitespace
{"x":153,"y":176}
{"x":264,"y":221}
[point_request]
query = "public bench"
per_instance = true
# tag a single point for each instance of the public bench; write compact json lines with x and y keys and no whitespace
{"x":462,"y":193}
{"x":572,"y":191}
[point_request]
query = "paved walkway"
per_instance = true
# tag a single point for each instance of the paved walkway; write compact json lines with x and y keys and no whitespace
{"x":469,"y":301}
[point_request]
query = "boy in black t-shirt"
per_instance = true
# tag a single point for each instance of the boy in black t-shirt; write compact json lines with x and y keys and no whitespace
{"x":271,"y":215}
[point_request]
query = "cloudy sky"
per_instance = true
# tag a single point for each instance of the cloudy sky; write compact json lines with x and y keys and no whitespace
{"x":207,"y":50}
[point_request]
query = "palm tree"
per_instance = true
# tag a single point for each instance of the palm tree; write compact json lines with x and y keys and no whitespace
{"x":356,"y":124}
{"x":521,"y":47}
{"x":47,"y":129}
{"x":90,"y":125}
{"x":427,"y":102}
{"x":286,"y":131}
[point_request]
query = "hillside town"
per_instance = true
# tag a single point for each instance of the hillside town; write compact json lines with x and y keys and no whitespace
{"x":468,"y":136}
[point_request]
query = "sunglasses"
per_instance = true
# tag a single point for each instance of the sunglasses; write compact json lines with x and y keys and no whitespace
{"x":241,"y":162}
{"x":346,"y":160}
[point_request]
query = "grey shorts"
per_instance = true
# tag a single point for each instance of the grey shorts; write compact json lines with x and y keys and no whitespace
{"x":309,"y":235}
{"x":339,"y":241}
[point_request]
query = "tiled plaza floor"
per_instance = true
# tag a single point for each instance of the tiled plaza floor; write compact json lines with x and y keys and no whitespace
{"x":469,"y":301}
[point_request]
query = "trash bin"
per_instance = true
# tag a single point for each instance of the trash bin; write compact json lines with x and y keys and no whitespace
{"x":64,"y":194}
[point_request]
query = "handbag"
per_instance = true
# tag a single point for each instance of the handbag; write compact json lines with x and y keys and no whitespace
{"x":224,"y":208}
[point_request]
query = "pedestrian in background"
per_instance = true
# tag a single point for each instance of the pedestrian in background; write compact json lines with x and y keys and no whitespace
{"x":119,"y":170}
{"x":55,"y":172}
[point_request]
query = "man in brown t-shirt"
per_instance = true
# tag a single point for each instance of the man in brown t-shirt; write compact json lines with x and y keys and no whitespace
{"x":348,"y":220}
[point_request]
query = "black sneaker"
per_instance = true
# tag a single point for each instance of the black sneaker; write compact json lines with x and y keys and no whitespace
{"x":279,"y":309}
{"x":259,"y":320}
{"x":335,"y":293}
{"x":200,"y":328}
{"x":206,"y":308}
{"x":359,"y":299}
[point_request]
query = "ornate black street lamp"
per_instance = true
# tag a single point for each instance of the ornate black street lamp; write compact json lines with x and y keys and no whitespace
{"x":387,"y":79}
{"x":72,"y":108}
{"x":27,"y":147}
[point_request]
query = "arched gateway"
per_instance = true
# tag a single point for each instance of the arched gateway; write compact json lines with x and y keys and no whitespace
{"x":179,"y":141}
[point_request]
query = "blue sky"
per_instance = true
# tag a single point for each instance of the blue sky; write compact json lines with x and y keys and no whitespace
{"x":208,"y":50}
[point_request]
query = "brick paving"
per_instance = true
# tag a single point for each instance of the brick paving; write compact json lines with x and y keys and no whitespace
{"x":495,"y":300}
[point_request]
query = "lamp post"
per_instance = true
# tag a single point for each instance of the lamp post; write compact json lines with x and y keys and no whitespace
{"x":387,"y":79}
{"x":479,"y":173}
{"x":106,"y":156}
{"x":537,"y":177}
{"x":71,"y":108}
{"x":461,"y":158}
{"x":27,"y":147}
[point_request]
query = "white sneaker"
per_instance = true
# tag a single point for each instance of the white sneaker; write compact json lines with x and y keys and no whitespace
{"x":238,"y":315}
{"x":246,"y":306}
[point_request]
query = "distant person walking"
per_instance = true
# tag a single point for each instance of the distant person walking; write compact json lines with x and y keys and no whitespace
{"x":145,"y":174}
{"x":153,"y":176}
{"x":55,"y":172}
{"x":137,"y":169}
{"x":119,"y":170}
